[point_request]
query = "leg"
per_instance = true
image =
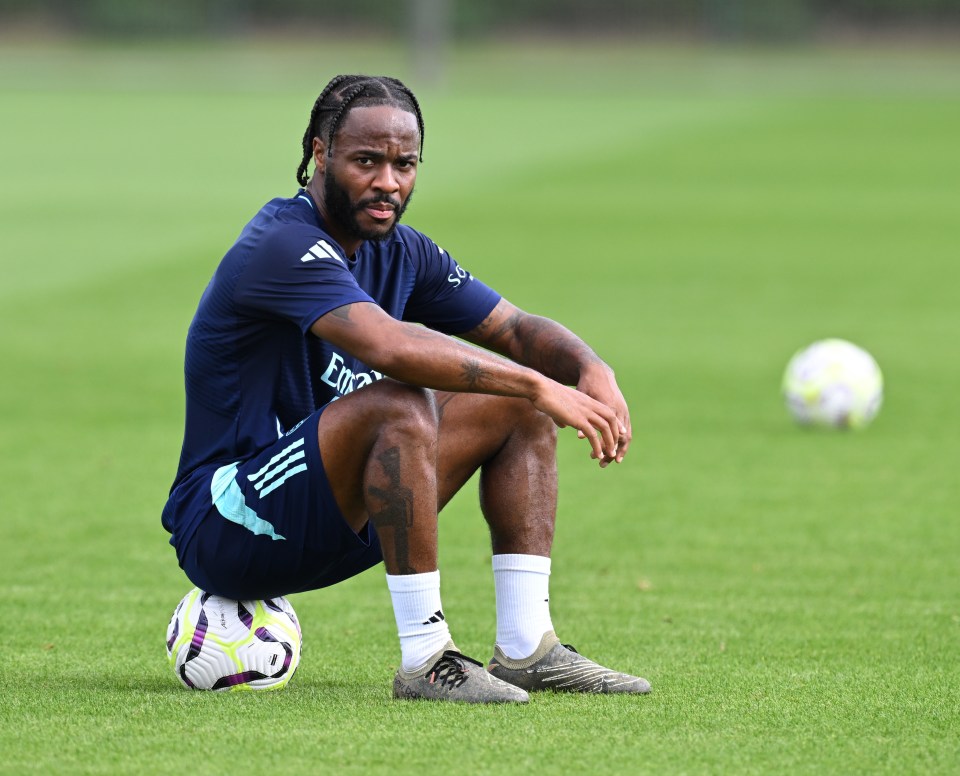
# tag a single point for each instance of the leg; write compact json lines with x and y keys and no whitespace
{"x":379,"y":449}
{"x":514,"y":447}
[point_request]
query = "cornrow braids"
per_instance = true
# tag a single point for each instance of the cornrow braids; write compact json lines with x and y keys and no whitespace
{"x":308,"y":135}
{"x":338,"y":97}
{"x":345,"y":101}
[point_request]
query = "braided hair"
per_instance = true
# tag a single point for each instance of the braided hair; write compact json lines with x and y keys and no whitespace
{"x":350,"y":91}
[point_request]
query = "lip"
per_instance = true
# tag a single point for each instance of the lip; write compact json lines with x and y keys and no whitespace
{"x":380,"y":211}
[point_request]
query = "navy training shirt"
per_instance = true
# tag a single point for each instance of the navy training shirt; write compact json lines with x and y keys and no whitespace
{"x":253,"y":369}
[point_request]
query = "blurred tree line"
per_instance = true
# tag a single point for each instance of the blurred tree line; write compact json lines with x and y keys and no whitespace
{"x":723,"y":19}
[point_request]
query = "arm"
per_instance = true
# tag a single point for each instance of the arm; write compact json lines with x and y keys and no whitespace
{"x":556,"y":352}
{"x":419,"y":356}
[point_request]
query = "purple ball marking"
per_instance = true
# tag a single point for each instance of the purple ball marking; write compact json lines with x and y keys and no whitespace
{"x":186,"y":679}
{"x":173,"y":636}
{"x":235,"y":680}
{"x":245,"y":617}
{"x":198,"y":635}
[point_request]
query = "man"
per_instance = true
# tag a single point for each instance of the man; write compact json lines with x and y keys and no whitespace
{"x":330,"y":415}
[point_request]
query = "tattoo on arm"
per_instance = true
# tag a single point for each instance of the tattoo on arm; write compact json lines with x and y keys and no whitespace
{"x":539,"y":343}
{"x":507,"y":325}
{"x":551,"y":349}
{"x":472,"y":373}
{"x":477,"y":378}
{"x":420,"y":332}
{"x":343,"y":313}
{"x":396,"y":511}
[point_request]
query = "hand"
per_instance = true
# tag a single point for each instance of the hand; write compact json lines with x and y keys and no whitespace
{"x":594,"y":421}
{"x":599,"y":382}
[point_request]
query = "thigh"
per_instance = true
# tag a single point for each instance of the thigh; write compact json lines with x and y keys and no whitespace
{"x":275,"y":527}
{"x":352,"y":425}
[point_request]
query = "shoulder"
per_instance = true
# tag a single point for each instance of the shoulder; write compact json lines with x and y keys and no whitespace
{"x":281,"y":211}
{"x":287,"y":227}
{"x":418,"y":247}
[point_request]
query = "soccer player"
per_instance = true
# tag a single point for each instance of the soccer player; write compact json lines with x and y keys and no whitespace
{"x":331,"y":413}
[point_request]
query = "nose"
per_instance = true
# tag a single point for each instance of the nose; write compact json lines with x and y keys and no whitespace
{"x":386,"y":180}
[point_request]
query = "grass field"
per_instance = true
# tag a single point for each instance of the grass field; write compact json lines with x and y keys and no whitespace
{"x":697,"y":215}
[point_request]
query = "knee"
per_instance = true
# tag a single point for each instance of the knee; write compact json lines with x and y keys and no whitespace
{"x":523,"y":418}
{"x":540,"y":425}
{"x":407,"y":408}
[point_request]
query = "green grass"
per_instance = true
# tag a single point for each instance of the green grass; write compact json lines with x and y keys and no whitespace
{"x":698,"y":215}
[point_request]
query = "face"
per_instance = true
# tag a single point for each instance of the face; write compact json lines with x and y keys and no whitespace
{"x":369,"y":180}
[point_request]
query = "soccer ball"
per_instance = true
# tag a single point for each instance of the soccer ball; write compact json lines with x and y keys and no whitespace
{"x":216,"y":643}
{"x":833,"y":383}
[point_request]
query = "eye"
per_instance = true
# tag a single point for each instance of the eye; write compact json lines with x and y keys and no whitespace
{"x":364,"y":161}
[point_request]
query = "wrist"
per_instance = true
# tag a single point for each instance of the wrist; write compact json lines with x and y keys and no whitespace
{"x":595,"y":366}
{"x":539,"y":385}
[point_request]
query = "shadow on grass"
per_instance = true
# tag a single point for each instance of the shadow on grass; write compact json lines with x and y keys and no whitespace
{"x":340,"y":692}
{"x":340,"y":696}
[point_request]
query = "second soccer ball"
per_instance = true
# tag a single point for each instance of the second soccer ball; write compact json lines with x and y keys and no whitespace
{"x":833,"y":383}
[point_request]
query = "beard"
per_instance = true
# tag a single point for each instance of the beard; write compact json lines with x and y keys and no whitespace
{"x":341,"y":209}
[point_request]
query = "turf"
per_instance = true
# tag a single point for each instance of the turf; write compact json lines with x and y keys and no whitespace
{"x":698,"y":215}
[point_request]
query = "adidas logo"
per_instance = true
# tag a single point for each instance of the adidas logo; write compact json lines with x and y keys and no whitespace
{"x":322,"y":250}
{"x":435,"y":618}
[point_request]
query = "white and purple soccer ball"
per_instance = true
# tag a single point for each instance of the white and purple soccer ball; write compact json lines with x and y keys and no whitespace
{"x":833,"y":383}
{"x":216,"y":643}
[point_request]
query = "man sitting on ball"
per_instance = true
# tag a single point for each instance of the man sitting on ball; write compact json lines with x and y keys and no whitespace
{"x":326,"y":427}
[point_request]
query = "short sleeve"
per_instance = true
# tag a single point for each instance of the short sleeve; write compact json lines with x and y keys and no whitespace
{"x":445,"y":296}
{"x":296,"y":274}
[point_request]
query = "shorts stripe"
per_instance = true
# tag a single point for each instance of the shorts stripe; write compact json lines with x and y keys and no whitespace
{"x":249,"y":547}
{"x":228,"y":499}
{"x":277,"y":469}
{"x":277,"y":457}
{"x":277,"y":483}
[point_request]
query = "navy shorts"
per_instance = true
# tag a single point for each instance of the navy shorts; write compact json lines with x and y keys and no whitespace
{"x":271,"y":525}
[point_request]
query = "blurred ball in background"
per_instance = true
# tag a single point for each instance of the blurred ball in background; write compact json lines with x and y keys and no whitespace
{"x":833,"y":383}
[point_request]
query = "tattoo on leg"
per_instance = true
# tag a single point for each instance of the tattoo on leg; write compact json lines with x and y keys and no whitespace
{"x":397,"y":510}
{"x":441,"y":405}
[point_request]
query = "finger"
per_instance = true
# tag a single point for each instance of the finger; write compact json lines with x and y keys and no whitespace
{"x":612,"y":457}
{"x":622,"y":452}
{"x":623,"y":443}
{"x":595,"y":442}
{"x":607,"y":428}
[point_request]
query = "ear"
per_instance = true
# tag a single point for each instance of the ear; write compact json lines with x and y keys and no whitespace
{"x":319,"y":154}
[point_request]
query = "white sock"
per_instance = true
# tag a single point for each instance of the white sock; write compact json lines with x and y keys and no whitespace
{"x":420,"y":622}
{"x":523,"y":602}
